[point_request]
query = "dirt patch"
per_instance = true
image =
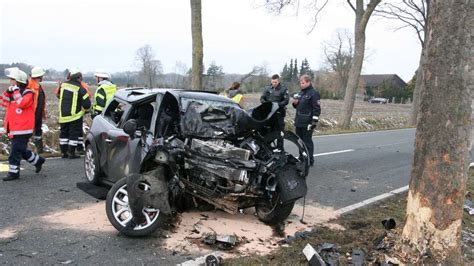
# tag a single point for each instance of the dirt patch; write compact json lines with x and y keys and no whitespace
{"x":8,"y":233}
{"x":254,"y":236}
{"x":85,"y":218}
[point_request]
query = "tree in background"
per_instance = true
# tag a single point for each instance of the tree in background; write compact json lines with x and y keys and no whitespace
{"x":198,"y":50}
{"x":443,"y":135}
{"x":412,"y":14}
{"x":214,"y":74}
{"x":294,"y":73}
{"x":285,"y":74}
{"x":150,"y":67}
{"x":338,"y":56}
{"x":362,"y":15}
{"x":306,"y":68}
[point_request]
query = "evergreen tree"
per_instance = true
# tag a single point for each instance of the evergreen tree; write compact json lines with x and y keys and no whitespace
{"x":291,"y":69}
{"x":285,"y":73}
{"x":294,"y":74}
{"x":306,"y":69}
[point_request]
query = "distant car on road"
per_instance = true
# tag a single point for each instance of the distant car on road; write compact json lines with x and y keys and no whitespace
{"x":378,"y":100}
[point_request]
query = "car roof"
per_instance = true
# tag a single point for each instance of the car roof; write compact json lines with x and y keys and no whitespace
{"x":137,"y":94}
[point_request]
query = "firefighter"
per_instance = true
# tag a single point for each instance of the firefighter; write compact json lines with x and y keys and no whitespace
{"x":19,"y":122}
{"x":73,"y":103}
{"x":235,"y":94}
{"x":34,"y":83}
{"x":104,"y":93}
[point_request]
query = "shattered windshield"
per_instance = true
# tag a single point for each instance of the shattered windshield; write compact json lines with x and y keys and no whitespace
{"x":186,"y":101}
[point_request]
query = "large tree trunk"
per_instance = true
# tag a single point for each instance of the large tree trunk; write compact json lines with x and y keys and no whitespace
{"x":415,"y":108}
{"x":196,"y":28}
{"x":441,"y":161}
{"x":362,"y":18}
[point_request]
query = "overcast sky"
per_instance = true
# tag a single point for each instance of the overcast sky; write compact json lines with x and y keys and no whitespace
{"x":104,"y":34}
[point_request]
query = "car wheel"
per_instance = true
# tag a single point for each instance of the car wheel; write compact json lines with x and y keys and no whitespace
{"x":274,"y":212}
{"x":119,"y":213}
{"x":91,"y":165}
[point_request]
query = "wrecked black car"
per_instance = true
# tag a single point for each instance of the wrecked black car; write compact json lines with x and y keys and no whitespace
{"x":162,"y":148}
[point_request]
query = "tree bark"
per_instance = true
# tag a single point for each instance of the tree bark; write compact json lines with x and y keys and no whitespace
{"x":441,"y":161}
{"x":415,"y":108}
{"x":361,"y":20}
{"x":196,"y":29}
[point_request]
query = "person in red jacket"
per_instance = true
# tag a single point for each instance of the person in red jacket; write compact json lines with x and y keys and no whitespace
{"x":19,"y":122}
{"x":34,"y":83}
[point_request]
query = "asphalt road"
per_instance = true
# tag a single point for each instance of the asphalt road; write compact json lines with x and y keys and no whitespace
{"x":31,"y":232}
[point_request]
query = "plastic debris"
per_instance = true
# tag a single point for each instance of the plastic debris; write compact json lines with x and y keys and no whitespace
{"x":221,"y":241}
{"x":314,"y":259}
{"x":358,"y":257}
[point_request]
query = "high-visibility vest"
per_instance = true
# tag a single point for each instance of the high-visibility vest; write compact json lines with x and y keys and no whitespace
{"x":20,"y":113}
{"x":109,"y":91}
{"x":70,"y":103}
{"x":238,"y":98}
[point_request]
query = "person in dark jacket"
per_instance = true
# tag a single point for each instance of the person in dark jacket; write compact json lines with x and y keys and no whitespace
{"x":308,"y":109}
{"x":277,"y":93}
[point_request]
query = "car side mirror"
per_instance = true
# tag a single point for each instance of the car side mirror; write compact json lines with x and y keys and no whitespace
{"x":130,"y":127}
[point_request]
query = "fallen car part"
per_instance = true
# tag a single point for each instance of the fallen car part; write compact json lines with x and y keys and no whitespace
{"x":221,"y":241}
{"x":314,"y":259}
{"x":203,"y":260}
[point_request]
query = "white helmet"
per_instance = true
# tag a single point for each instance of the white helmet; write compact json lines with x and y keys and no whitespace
{"x":37,"y":72}
{"x":102,"y":74}
{"x":74,"y":71}
{"x":16,"y":74}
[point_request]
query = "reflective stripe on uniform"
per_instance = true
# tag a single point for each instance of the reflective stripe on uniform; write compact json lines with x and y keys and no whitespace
{"x":21,"y":132}
{"x":63,"y":141}
{"x":72,"y":142}
{"x":73,"y":114}
{"x":33,"y":158}
{"x":13,"y":169}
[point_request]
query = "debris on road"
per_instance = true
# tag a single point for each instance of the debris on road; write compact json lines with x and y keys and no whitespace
{"x":224,"y":242}
{"x":314,"y":259}
{"x":468,"y":207}
{"x":353,"y":189}
{"x":358,"y":257}
{"x":213,"y":259}
{"x":389,"y":224}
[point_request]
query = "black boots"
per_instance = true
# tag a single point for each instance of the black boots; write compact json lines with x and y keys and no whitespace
{"x":72,"y":152}
{"x":10,"y":177}
{"x":64,"y":151}
{"x":39,"y":164}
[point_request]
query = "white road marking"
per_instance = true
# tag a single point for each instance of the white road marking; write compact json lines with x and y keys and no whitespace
{"x":392,"y":144}
{"x":371,"y":200}
{"x":333,"y":152}
{"x":366,"y":132}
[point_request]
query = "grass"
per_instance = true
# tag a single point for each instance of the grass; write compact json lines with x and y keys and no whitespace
{"x":363,"y":230}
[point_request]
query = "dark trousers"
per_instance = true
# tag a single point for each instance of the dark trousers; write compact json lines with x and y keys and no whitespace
{"x":19,"y":150}
{"x":307,"y":137}
{"x":38,"y":124}
{"x":70,"y":133}
{"x":279,"y":124}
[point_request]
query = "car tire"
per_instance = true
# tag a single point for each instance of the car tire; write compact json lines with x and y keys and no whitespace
{"x":118,"y":197}
{"x":275,"y":215}
{"x":91,"y":165}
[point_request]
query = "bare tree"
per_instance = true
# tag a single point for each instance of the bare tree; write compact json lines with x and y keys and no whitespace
{"x":196,"y":29}
{"x":338,"y":56}
{"x":150,"y":68}
{"x":362,"y":15}
{"x":443,"y":136}
{"x":413,"y":14}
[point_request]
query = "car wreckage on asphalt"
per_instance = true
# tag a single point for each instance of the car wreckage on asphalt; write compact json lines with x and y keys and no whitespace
{"x":162,"y":148}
